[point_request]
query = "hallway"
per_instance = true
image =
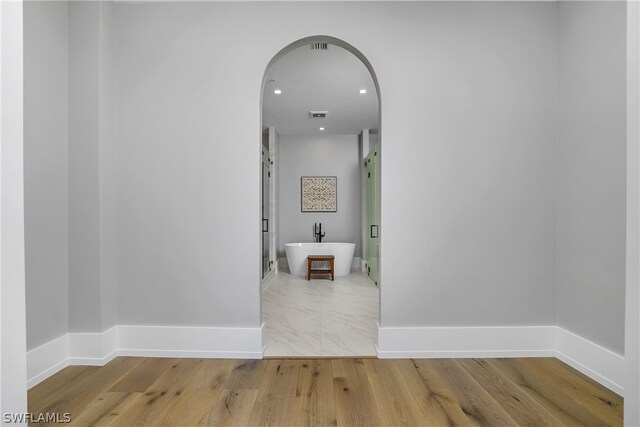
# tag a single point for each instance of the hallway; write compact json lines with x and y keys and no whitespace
{"x":320,"y":317}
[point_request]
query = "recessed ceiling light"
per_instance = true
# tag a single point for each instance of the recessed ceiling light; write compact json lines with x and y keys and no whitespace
{"x":277,"y":91}
{"x":362,"y":91}
{"x":321,"y":128}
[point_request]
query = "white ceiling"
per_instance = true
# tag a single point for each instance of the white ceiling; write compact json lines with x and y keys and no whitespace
{"x":326,"y":80}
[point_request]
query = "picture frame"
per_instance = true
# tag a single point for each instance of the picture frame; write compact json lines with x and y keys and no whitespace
{"x":319,"y":194}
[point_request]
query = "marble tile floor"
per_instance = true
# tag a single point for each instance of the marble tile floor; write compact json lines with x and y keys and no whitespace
{"x":320,"y":317}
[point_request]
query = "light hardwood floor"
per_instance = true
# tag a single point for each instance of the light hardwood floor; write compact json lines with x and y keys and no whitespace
{"x":335,"y":392}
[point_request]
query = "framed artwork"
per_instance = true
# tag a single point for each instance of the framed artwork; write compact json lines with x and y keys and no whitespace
{"x":319,"y":193}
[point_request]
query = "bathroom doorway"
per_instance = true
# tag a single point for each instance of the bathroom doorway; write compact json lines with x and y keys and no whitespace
{"x":320,"y":197}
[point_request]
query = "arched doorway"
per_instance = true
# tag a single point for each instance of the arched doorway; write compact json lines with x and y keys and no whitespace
{"x":320,"y":143}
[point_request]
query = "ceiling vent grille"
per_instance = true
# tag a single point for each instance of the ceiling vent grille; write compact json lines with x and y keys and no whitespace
{"x":320,"y":46}
{"x":318,"y":114}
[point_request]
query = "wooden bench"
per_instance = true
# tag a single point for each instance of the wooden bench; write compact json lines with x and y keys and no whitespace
{"x":320,"y":258}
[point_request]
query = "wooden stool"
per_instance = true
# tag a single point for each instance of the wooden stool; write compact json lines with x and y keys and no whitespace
{"x":320,"y":258}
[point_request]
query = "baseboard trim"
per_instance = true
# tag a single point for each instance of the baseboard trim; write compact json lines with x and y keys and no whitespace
{"x":192,"y":354}
{"x":99,"y":348}
{"x":462,"y":354}
{"x":93,"y":361}
{"x":47,"y":359}
{"x":37,"y":379}
{"x":593,"y":360}
{"x":180,"y":341}
{"x":93,"y":348}
{"x":432,"y":342}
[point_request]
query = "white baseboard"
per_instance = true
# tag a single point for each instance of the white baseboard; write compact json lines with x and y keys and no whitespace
{"x":435,"y":342}
{"x":99,"y":348}
{"x":178,"y":341}
{"x":363,"y":265}
{"x":93,"y":348}
{"x":598,"y":363}
{"x":47,"y":359}
{"x":593,"y":360}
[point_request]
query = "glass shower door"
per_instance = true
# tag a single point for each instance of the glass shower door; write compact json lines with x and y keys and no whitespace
{"x":266,"y":177}
{"x":373,"y":215}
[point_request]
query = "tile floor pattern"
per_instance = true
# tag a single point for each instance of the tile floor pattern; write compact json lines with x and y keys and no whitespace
{"x":320,"y":317}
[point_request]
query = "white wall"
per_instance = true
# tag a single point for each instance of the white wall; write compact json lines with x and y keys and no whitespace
{"x":318,"y":155}
{"x":92,"y":292}
{"x":13,"y":346}
{"x":107,"y":168}
{"x":632,"y":294}
{"x":188,"y":181}
{"x":468,"y":170}
{"x":70,"y":223}
{"x":468,"y":115}
{"x":46,"y":170}
{"x":84,"y":252}
{"x":592,"y":170}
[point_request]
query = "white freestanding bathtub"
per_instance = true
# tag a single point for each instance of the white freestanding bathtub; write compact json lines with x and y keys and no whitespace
{"x":297,"y":254}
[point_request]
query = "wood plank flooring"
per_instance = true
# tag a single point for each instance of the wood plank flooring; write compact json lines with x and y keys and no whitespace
{"x":133,"y":391}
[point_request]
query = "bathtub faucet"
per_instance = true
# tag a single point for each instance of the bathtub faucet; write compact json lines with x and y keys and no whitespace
{"x":317,"y":233}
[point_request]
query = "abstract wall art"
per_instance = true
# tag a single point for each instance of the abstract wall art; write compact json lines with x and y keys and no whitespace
{"x":319,"y":193}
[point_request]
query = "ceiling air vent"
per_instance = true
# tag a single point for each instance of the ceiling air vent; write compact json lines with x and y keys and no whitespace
{"x":319,"y":46}
{"x":318,"y":114}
